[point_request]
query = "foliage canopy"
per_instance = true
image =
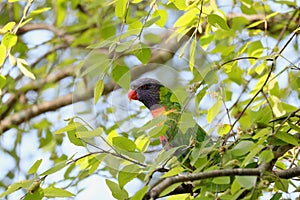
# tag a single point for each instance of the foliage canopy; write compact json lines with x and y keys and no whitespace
{"x":66,"y":67}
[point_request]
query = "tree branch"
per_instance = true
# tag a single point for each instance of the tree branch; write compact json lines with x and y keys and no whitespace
{"x":41,"y":108}
{"x":159,"y":188}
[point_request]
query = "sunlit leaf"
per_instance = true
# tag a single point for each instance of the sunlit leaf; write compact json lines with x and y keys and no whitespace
{"x":123,"y":143}
{"x":163,"y":17}
{"x":54,"y":169}
{"x":127,"y":173}
{"x":22,"y":65}
{"x":2,"y":81}
{"x":140,"y":194}
{"x":61,"y":11}
{"x":57,"y":192}
{"x":192,"y":54}
{"x":35,"y":167}
{"x":121,"y":75}
{"x":116,"y":191}
{"x":286,"y":137}
{"x":217,"y":21}
{"x":38,"y":11}
{"x":16,"y":186}
{"x":174,"y":171}
{"x":120,"y":8}
{"x":2,"y":54}
{"x":9,"y":26}
{"x":142,"y":52}
{"x":214,"y":110}
{"x":98,"y":90}
{"x":9,"y":40}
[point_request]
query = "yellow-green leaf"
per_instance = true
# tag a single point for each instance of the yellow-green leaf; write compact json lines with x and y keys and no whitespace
{"x":98,"y":90}
{"x":163,"y":17}
{"x":2,"y":54}
{"x":192,"y":54}
{"x":217,"y":21}
{"x":223,"y":129}
{"x":9,"y":40}
{"x":35,"y":167}
{"x":9,"y":26}
{"x":57,"y":192}
{"x":121,"y":8}
{"x":38,"y":11}
{"x":116,"y":191}
{"x":21,"y":63}
{"x":123,"y":143}
{"x":286,"y":137}
{"x":128,"y":173}
{"x":174,"y":171}
{"x":187,"y":18}
{"x":213,"y":111}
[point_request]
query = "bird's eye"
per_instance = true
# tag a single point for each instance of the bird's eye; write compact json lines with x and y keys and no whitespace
{"x":145,"y":87}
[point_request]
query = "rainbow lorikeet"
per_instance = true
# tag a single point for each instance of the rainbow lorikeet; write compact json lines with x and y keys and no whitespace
{"x":160,"y":100}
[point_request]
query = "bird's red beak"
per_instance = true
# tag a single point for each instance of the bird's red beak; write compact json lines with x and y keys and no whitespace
{"x":132,"y":95}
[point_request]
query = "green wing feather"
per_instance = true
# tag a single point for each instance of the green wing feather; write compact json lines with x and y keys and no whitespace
{"x":174,"y":135}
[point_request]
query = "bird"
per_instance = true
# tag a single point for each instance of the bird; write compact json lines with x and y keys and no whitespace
{"x":161,"y":101}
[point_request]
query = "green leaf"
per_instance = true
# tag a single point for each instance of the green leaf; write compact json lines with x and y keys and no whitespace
{"x":223,"y":129}
{"x":90,"y":134}
{"x":38,"y":11}
{"x":158,"y":131}
{"x":181,"y":5}
{"x":9,"y":40}
{"x":128,"y":173}
{"x":37,"y":194}
{"x":282,"y":184}
{"x":61,"y":11}
{"x":2,"y":54}
{"x":2,"y":81}
{"x":120,"y":8}
{"x":255,"y":150}
{"x":235,"y":187}
{"x":142,"y":52}
{"x":246,"y":181}
{"x":116,"y":191}
{"x":286,"y":137}
{"x":187,"y":18}
{"x":242,"y":148}
{"x":169,"y":189}
{"x":192,"y":54}
{"x":173,"y":171}
{"x":57,"y":192}
{"x":98,"y":90}
{"x":54,"y":169}
{"x":265,"y":156}
{"x":9,"y":26}
{"x":22,"y":65}
{"x":221,"y":180}
{"x":121,"y":75}
{"x":217,"y":21}
{"x":140,"y":194}
{"x":142,"y":143}
{"x":213,"y":111}
{"x":276,"y":196}
{"x":163,"y":16}
{"x":35,"y":167}
{"x":16,"y":186}
{"x":70,"y":127}
{"x":123,"y":143}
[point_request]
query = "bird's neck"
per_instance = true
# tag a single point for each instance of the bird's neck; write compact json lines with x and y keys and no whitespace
{"x":157,"y":110}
